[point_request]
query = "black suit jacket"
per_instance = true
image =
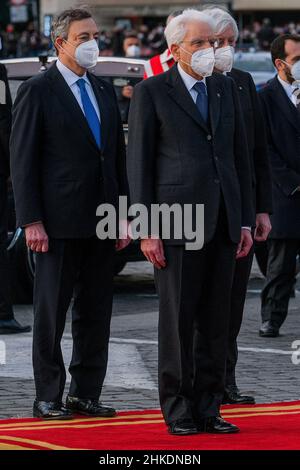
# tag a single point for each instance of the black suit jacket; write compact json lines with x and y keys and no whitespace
{"x":59,"y":174}
{"x":5,"y":123}
{"x":174,"y":157}
{"x":283,"y":133}
{"x":257,"y":140}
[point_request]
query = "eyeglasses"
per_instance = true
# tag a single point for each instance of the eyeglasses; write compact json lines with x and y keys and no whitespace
{"x":201,"y":42}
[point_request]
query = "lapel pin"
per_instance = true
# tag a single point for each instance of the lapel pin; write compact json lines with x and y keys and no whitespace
{"x":240,"y":87}
{"x":218,"y":95}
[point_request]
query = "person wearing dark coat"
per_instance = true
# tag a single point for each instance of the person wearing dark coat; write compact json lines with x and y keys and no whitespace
{"x":281,"y":109}
{"x":187,"y":145}
{"x":8,"y":323}
{"x":227,"y":34}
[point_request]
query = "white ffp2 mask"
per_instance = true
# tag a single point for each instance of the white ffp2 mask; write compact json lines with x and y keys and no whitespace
{"x":224,"y":58}
{"x":202,"y":61}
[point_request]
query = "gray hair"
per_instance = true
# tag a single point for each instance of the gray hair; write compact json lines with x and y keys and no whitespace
{"x":61,"y":24}
{"x":222,"y":20}
{"x":176,"y":29}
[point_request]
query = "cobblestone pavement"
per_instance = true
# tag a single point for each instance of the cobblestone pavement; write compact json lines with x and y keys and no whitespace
{"x":265,"y":365}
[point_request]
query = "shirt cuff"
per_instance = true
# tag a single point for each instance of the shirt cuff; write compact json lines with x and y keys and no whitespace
{"x":246,"y":228}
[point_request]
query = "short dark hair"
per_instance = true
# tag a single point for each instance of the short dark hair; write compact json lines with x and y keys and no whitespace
{"x":278,"y":46}
{"x":130,"y":34}
{"x":62,"y":23}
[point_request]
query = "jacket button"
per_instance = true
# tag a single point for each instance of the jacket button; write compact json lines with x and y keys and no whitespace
{"x":216,"y":158}
{"x":217,"y":181}
{"x":209,"y":137}
{"x":102,"y":158}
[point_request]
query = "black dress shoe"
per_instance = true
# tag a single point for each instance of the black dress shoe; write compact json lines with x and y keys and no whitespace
{"x":89,"y":407}
{"x":216,"y":425}
{"x":232,"y":396}
{"x":50,"y":410}
{"x":182,"y":427}
{"x":9,"y":327}
{"x":268,"y":330}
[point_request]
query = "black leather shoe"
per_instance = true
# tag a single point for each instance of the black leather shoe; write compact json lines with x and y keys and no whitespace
{"x":50,"y":410}
{"x":216,"y":425}
{"x":268,"y":330}
{"x":232,"y":396}
{"x":9,"y":327}
{"x":89,"y":407}
{"x":182,"y":427}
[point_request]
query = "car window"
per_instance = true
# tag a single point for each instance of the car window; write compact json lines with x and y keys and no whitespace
{"x":255,"y":65}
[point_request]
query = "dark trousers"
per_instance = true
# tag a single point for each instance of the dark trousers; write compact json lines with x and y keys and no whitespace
{"x":194,"y":300}
{"x":280,"y":280}
{"x":238,"y":297}
{"x":82,"y":269}
{"x":6,"y":311}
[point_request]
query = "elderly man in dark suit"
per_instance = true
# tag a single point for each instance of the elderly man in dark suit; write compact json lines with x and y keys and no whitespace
{"x":281,"y":108}
{"x":187,"y":145}
{"x":8,"y":324}
{"x":68,"y":157}
{"x":227,"y":34}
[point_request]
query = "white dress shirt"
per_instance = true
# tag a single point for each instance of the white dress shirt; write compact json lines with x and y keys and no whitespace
{"x":289,"y":89}
{"x":189,"y":82}
{"x":71,"y":78}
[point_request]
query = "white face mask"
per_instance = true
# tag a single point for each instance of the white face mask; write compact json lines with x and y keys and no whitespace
{"x":295,"y":70}
{"x":202,"y":61}
{"x":86,"y":54}
{"x":224,"y":58}
{"x":133,"y":51}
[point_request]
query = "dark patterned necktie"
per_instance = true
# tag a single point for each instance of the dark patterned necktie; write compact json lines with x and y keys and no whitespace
{"x":202,"y":100}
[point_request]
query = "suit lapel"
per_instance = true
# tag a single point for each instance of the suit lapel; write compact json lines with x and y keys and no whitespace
{"x":179,"y":93}
{"x":284,"y":103}
{"x":66,"y":97}
{"x":103,"y":107}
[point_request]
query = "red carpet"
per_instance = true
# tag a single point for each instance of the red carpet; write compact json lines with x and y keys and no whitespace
{"x":263,"y":427}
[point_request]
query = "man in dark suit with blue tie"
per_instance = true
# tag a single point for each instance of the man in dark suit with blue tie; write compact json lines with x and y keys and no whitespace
{"x":8,"y":324}
{"x":187,"y":145}
{"x":68,"y":157}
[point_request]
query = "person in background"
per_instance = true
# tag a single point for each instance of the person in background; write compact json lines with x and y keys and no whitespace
{"x":187,"y":145}
{"x":8,"y":324}
{"x":162,"y":62}
{"x":281,"y":108}
{"x":227,"y":34}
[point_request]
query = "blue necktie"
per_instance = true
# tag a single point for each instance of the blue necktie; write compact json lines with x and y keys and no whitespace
{"x":90,"y":112}
{"x":202,"y":100}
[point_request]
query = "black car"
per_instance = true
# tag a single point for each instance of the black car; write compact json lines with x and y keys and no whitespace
{"x":118,"y":71}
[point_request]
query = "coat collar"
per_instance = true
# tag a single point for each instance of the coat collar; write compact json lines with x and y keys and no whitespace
{"x":63,"y":91}
{"x":179,"y":93}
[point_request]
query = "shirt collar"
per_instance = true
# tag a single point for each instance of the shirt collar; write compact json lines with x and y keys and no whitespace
{"x":70,"y":77}
{"x":188,"y":80}
{"x":289,"y":89}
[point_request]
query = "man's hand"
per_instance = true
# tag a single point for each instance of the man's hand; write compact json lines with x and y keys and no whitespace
{"x":263,"y":227}
{"x":245,"y":244}
{"x":37,"y":238}
{"x":153,"y":249}
{"x":127,"y":91}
